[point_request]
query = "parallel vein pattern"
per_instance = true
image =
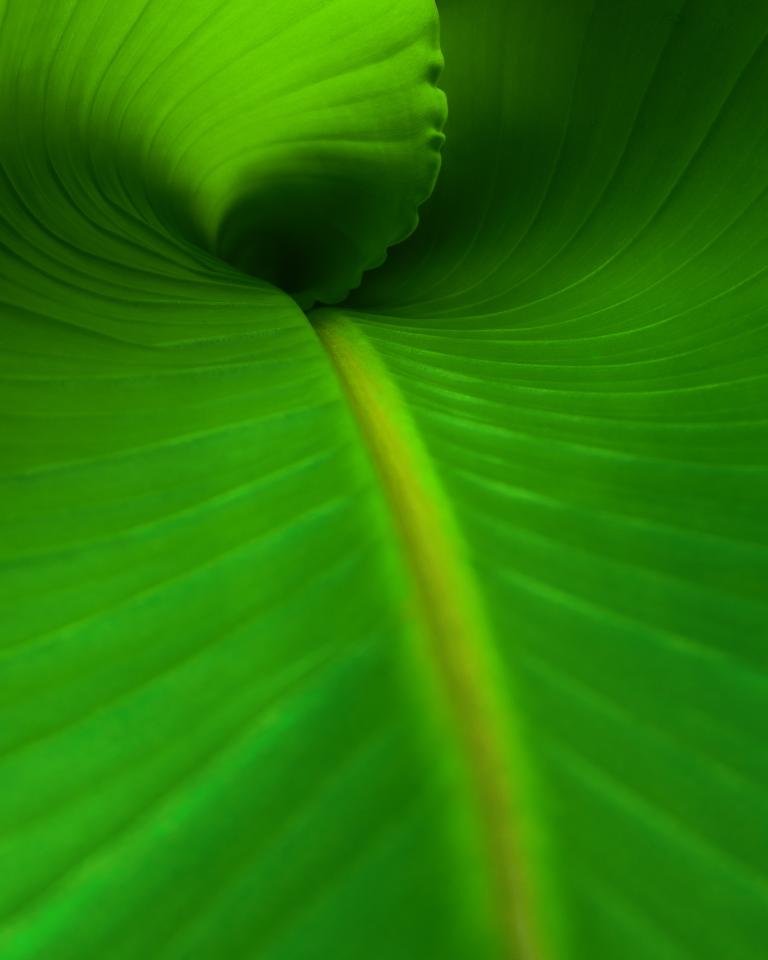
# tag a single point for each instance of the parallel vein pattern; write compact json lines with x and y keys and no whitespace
{"x":206,"y":750}
{"x":580,"y":332}
{"x":215,"y":742}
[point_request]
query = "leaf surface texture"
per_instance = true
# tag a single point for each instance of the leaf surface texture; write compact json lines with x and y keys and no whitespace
{"x":431,"y":625}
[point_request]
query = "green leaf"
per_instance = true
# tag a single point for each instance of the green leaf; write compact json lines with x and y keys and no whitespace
{"x":431,"y":625}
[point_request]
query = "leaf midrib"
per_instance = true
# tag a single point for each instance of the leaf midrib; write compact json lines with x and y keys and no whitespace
{"x":455,"y":637}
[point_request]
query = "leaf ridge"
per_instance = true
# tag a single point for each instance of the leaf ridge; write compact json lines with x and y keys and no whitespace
{"x":457,"y":646}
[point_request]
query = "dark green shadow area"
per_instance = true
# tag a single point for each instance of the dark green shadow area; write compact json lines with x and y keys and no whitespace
{"x":287,"y":232}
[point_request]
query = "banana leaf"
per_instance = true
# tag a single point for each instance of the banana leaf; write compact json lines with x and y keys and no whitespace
{"x":371,"y":589}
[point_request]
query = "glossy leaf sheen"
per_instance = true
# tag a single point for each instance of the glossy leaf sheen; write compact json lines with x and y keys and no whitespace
{"x":438,"y":632}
